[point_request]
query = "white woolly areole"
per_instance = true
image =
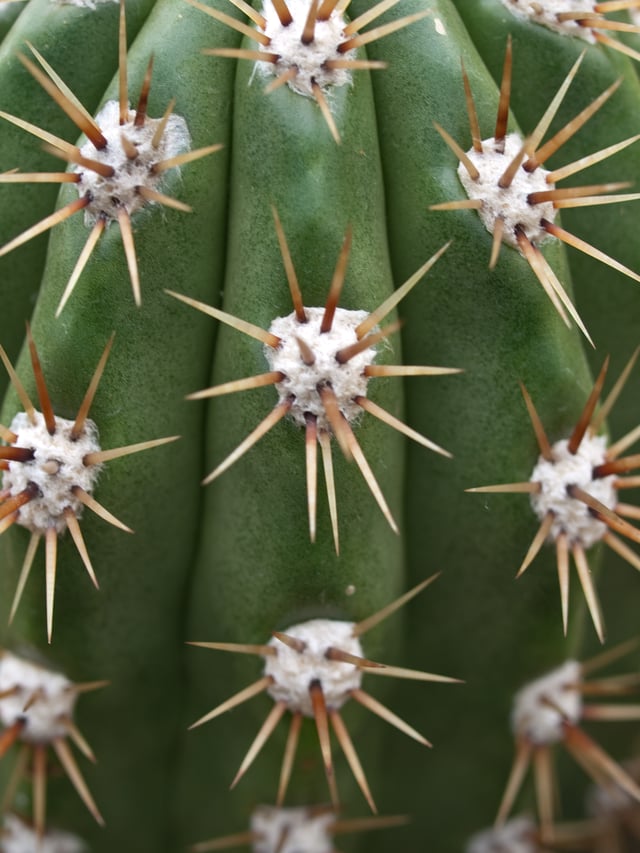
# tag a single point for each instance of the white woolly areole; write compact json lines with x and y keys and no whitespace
{"x":308,"y":59}
{"x":49,"y":695}
{"x":17,"y":837}
{"x":293,"y":671}
{"x":511,"y":203}
{"x":303,"y":832}
{"x":533,"y":716}
{"x":109,"y":195}
{"x":545,"y":12}
{"x":516,"y":836}
{"x":572,"y":516}
{"x":57,"y":466}
{"x":87,"y":4}
{"x":302,"y":380}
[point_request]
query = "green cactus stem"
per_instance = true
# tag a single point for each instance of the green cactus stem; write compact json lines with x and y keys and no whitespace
{"x":316,"y":241}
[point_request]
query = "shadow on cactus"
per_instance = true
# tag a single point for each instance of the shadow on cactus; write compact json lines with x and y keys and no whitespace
{"x":118,"y":171}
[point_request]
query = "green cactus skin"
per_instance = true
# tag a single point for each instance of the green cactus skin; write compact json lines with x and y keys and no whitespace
{"x":476,"y":543}
{"x":607,"y":300}
{"x":232,"y":561}
{"x":291,"y":579}
{"x":159,"y":353}
{"x":8,"y":14}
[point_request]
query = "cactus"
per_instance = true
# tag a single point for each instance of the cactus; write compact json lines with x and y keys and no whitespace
{"x":381,"y":212}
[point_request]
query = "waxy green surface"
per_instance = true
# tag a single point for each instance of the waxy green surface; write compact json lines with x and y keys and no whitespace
{"x":232,"y":561}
